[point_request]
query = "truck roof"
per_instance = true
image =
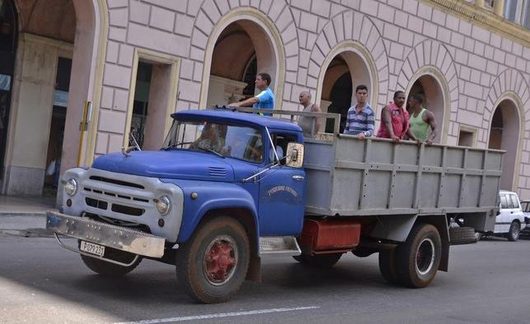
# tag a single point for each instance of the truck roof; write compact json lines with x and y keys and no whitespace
{"x":227,"y":115}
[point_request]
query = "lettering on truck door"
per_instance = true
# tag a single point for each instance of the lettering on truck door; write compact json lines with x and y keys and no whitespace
{"x":281,"y":199}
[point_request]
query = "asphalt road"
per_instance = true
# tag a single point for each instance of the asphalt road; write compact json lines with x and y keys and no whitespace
{"x":488,"y":282}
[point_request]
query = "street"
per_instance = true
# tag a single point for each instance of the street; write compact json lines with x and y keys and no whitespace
{"x":488,"y":282}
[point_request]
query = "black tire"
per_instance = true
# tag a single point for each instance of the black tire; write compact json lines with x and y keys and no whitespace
{"x":322,"y":261}
{"x":515,"y":230}
{"x":195,"y":270}
{"x":108,"y":269}
{"x":462,"y":235}
{"x":418,"y":258}
{"x":388,"y":267}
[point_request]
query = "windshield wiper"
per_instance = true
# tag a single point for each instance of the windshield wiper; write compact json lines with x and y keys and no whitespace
{"x":210,"y":150}
{"x":175,"y":145}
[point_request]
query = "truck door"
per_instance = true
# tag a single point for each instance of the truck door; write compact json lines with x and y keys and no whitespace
{"x":281,"y":197}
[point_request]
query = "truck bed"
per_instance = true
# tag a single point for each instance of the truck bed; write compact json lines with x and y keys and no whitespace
{"x":351,"y":177}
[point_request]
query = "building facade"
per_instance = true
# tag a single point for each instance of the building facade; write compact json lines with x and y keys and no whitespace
{"x":79,"y":77}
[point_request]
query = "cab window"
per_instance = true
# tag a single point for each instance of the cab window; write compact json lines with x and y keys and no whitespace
{"x":280,"y":142}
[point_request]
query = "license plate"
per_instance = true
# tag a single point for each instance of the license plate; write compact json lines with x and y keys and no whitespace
{"x":92,"y":248}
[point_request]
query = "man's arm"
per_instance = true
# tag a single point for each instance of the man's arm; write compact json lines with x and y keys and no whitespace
{"x":315,"y":108}
{"x":406,"y":125}
{"x":348,"y":120}
{"x":386,"y":119}
{"x":411,"y":135}
{"x":370,"y":126}
{"x":245,"y":103}
{"x":429,"y":119}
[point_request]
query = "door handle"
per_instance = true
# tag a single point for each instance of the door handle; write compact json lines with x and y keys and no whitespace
{"x":298,"y":178}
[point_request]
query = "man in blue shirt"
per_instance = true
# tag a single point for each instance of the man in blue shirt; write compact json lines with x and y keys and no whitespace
{"x":361,"y":118}
{"x":265,"y":99}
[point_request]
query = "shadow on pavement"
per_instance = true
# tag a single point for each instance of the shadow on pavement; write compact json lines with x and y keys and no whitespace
{"x":38,"y":263}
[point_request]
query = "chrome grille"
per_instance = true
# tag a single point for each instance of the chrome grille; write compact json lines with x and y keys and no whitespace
{"x":116,"y":181}
{"x":114,"y":200}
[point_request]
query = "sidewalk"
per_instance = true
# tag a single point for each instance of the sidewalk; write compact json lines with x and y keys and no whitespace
{"x":24,"y":214}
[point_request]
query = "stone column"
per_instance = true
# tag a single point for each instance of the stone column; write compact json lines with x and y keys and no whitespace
{"x":498,"y":7}
{"x":32,"y":114}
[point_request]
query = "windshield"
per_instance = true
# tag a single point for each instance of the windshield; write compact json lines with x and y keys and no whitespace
{"x":240,"y":142}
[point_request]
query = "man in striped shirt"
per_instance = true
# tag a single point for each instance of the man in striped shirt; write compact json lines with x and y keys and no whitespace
{"x":361,"y":118}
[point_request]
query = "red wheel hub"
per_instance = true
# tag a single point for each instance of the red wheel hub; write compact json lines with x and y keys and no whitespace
{"x":220,"y":261}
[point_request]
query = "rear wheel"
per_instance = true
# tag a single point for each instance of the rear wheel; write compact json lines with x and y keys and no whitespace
{"x":387,"y":266}
{"x":319,"y":260}
{"x":515,"y":230}
{"x":213,"y":264}
{"x":419,"y":256}
{"x":105,"y":268}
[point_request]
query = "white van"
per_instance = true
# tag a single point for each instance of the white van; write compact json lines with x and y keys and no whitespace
{"x":511,"y":219}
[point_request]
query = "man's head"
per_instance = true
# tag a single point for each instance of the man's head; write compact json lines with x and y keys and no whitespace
{"x":361,"y":93}
{"x":263,"y":80}
{"x":415,"y":100}
{"x":304,"y":98}
{"x":399,"y":98}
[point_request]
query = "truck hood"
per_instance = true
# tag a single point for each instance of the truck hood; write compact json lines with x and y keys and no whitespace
{"x":173,"y":164}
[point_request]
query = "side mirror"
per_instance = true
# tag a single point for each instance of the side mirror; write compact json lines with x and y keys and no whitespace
{"x":295,"y":155}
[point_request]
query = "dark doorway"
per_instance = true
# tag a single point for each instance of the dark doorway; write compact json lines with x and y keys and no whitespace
{"x":505,"y":135}
{"x":141,"y":104}
{"x":341,"y":95}
{"x":8,"y":44}
{"x":55,"y":143}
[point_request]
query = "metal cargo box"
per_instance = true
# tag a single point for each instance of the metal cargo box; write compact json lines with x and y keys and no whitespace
{"x":351,"y":177}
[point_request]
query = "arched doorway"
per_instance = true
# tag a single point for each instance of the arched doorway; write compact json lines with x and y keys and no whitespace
{"x":505,"y":135}
{"x":431,"y":90}
{"x":8,"y":43}
{"x":52,"y":78}
{"x":346,"y":71}
{"x":242,"y":50}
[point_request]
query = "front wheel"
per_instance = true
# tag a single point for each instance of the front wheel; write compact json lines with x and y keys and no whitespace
{"x":108,"y":269}
{"x":419,"y":256}
{"x":213,"y":264}
{"x":513,"y":233}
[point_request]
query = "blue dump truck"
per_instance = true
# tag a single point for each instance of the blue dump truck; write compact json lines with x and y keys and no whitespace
{"x":228,"y":187}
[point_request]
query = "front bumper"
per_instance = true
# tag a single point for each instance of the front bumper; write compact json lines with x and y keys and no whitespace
{"x":116,"y":237}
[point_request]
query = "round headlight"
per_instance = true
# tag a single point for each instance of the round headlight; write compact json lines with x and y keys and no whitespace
{"x":163,"y":205}
{"x":70,"y":187}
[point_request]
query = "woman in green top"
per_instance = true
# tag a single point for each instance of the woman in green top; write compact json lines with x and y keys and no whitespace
{"x":421,"y":120}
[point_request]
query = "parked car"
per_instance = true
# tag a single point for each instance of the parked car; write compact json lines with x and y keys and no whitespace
{"x":511,"y":220}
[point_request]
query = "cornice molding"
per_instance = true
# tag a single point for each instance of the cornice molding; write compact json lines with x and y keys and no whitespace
{"x":484,"y":17}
